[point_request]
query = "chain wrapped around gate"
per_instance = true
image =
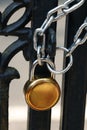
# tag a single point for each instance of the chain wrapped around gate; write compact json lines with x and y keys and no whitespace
{"x":42,"y":91}
{"x":37,"y":96}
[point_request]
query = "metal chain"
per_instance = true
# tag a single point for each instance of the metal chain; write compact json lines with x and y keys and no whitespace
{"x":79,"y":39}
{"x":66,"y":8}
{"x":53,"y":16}
{"x":54,"y":71}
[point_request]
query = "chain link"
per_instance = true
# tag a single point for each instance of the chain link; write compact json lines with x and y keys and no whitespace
{"x":80,"y":38}
{"x":73,"y":5}
{"x":53,"y":16}
{"x":64,"y":10}
{"x":54,"y":71}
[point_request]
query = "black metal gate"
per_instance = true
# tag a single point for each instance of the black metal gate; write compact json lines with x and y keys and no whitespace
{"x":75,"y":80}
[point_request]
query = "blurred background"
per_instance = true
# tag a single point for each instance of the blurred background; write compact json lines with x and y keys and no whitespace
{"x":17,"y":105}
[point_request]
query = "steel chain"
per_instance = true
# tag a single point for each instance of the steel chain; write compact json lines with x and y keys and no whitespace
{"x":64,"y":10}
{"x":78,"y":38}
{"x":53,"y":16}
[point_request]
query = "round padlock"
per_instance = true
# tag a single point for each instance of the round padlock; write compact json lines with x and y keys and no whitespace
{"x":42,"y":93}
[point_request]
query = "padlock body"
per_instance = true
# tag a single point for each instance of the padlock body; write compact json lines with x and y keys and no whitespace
{"x":42,"y":94}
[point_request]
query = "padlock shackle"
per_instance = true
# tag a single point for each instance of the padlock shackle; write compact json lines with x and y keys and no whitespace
{"x":35,"y":63}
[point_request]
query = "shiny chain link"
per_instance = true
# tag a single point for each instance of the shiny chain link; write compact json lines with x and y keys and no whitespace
{"x":80,"y":37}
{"x":53,"y":16}
{"x":66,"y":8}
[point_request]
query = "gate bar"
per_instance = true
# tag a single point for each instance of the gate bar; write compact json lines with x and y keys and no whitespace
{"x":76,"y":79}
{"x":40,"y":120}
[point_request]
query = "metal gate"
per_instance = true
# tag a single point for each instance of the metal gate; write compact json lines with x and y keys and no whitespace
{"x":75,"y":81}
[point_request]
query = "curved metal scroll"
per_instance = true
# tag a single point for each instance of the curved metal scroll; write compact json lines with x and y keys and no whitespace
{"x":24,"y":35}
{"x":24,"y":43}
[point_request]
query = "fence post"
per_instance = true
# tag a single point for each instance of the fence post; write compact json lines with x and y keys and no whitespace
{"x":5,"y":79}
{"x":76,"y":79}
{"x":41,"y":120}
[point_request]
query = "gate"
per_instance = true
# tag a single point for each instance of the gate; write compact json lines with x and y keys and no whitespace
{"x":74,"y":82}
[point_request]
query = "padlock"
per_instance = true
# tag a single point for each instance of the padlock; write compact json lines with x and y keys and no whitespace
{"x":41,"y":93}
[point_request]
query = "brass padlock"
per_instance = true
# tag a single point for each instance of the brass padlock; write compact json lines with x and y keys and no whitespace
{"x":42,"y":93}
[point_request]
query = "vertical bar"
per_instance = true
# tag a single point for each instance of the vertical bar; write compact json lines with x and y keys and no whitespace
{"x":5,"y":79}
{"x":76,"y":78}
{"x":40,"y":120}
{"x":3,"y":105}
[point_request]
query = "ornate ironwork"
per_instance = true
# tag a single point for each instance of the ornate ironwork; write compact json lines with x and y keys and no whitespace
{"x":24,"y":43}
{"x":24,"y":35}
{"x":70,"y":119}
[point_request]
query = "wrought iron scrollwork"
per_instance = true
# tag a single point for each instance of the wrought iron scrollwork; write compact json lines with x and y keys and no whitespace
{"x":24,"y":35}
{"x":23,"y":43}
{"x":15,"y":29}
